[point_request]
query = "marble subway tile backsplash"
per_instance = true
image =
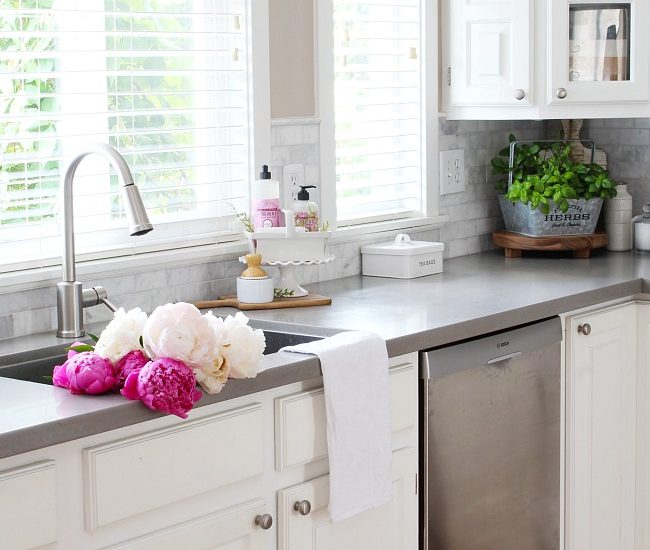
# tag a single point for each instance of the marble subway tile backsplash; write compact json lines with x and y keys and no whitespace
{"x":473,"y":216}
{"x":627,"y":144}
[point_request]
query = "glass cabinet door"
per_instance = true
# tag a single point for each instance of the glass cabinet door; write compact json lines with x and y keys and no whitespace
{"x":599,"y":42}
{"x":598,"y":51}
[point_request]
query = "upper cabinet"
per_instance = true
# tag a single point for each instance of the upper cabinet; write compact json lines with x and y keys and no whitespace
{"x":490,"y":47}
{"x":520,"y":59}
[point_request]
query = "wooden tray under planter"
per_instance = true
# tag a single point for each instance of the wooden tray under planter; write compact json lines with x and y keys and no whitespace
{"x":514,"y":244}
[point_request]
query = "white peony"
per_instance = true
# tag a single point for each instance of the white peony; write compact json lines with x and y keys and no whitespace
{"x":179,"y":331}
{"x":213,"y":374}
{"x":122,"y":334}
{"x":245,"y":347}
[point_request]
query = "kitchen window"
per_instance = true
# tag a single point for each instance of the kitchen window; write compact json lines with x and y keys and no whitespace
{"x":169,"y":83}
{"x":378,"y":108}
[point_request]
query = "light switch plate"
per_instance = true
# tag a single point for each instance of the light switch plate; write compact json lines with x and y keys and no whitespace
{"x":293,"y":176}
{"x":452,"y":171}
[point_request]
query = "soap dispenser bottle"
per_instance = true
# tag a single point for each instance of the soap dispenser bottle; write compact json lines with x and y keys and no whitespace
{"x":305,"y":212}
{"x":265,"y":201}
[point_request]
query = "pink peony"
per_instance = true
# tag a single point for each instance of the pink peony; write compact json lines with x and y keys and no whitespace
{"x":59,"y":376}
{"x":85,"y":372}
{"x":131,"y":362}
{"x":165,"y":384}
{"x":71,"y":352}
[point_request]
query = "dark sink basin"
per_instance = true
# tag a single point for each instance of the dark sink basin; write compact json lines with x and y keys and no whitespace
{"x":39,"y":370}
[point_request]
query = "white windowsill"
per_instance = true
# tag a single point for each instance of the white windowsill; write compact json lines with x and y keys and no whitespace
{"x":371,"y":230}
{"x":16,"y":281}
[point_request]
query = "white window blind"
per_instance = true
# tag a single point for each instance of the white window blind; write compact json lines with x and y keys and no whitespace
{"x":378,"y":109}
{"x":167,"y":82}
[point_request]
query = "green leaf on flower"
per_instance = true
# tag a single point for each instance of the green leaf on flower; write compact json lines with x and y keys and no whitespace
{"x":141,"y":342}
{"x":81,"y":348}
{"x":48,"y":377}
{"x":94,"y":338}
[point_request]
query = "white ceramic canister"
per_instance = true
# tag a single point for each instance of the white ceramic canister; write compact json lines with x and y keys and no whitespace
{"x":255,"y":290}
{"x":618,"y":215}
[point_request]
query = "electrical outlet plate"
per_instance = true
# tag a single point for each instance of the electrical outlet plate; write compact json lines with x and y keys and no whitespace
{"x":452,"y":171}
{"x":293,"y":176}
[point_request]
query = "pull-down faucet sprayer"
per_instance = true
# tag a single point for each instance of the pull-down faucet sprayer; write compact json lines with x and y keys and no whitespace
{"x":71,"y":297}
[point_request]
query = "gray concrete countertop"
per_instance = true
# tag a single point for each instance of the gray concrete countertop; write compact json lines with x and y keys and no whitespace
{"x":475,"y":295}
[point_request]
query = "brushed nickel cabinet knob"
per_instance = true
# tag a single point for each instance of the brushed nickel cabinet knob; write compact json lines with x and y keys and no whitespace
{"x":561,"y":93}
{"x":264,"y":521}
{"x":303,"y":507}
{"x":584,"y":329}
{"x":519,"y":94}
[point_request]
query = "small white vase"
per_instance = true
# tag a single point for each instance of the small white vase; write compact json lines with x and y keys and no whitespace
{"x":618,"y":215}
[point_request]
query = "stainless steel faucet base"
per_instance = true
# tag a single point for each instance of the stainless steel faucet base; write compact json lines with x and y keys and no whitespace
{"x":69,"y":309}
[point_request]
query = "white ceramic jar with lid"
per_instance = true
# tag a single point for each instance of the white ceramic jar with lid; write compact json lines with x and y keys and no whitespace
{"x":641,"y":229}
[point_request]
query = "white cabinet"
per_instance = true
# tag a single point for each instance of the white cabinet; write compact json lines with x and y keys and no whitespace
{"x":607,"y":433}
{"x":601,"y":427}
{"x":392,"y":526}
{"x":28,"y":506}
{"x":202,"y":483}
{"x":519,"y":59}
{"x":489,"y":50}
{"x":598,"y":52}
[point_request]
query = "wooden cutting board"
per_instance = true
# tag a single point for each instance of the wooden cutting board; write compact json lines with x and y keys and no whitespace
{"x":277,"y":303}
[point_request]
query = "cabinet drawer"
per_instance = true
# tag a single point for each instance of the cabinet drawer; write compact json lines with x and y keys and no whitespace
{"x":233,"y":528}
{"x":28,"y":505}
{"x":300,"y":424}
{"x":141,"y":473}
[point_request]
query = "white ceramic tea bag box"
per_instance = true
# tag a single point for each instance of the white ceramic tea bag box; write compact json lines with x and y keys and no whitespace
{"x":402,"y":258}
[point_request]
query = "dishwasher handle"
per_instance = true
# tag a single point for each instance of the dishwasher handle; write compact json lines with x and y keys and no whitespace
{"x":491,"y":349}
{"x":503,"y":358}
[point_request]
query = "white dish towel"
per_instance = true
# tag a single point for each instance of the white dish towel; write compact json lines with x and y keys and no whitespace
{"x":357,"y":405}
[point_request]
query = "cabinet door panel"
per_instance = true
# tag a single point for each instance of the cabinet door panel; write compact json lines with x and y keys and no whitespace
{"x":490,"y":48}
{"x":231,"y":529}
{"x":633,"y":85}
{"x":642,"y":531}
{"x":28,"y":508}
{"x":389,"y":527}
{"x":184,"y":453}
{"x":601,"y":427}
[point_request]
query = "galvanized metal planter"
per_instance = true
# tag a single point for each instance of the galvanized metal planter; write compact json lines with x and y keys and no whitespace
{"x":579,"y":219}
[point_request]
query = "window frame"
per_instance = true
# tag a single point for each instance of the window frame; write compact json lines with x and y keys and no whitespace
{"x":171,"y":244}
{"x":324,"y":74}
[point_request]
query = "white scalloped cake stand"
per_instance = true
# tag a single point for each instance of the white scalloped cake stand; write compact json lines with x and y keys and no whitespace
{"x":287,"y":279}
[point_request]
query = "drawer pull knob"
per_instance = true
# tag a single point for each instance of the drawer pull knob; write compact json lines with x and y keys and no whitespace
{"x":303,"y":507}
{"x":519,"y":94}
{"x":264,"y":521}
{"x":584,"y":329}
{"x":561,"y":93}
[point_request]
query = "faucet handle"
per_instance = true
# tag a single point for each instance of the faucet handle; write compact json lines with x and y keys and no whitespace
{"x":95,"y":296}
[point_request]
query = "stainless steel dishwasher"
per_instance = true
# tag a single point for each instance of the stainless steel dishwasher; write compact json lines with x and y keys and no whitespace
{"x":491,"y":440}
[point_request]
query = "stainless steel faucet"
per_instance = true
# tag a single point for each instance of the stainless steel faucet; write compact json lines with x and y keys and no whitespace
{"x":71,"y":297}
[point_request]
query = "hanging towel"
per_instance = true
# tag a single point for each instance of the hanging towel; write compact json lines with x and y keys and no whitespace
{"x":357,"y":405}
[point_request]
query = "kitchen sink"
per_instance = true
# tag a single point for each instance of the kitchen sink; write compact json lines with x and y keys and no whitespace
{"x":39,"y":369}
